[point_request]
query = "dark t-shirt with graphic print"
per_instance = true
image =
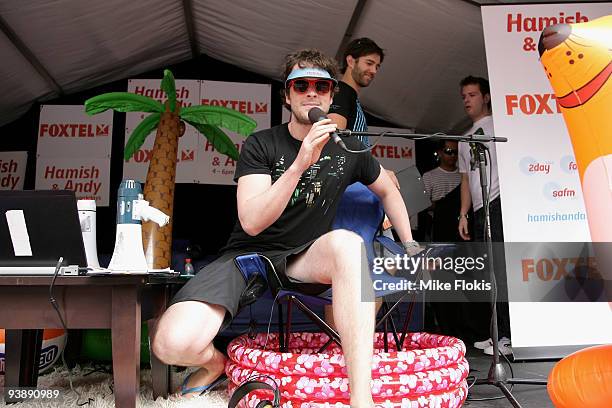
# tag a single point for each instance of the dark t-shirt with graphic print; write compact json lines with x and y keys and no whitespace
{"x":312,"y":206}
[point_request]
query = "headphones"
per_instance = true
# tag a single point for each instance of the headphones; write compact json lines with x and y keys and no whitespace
{"x":253,"y":384}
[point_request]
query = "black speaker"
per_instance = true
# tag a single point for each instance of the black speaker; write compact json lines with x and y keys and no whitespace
{"x":251,"y":385}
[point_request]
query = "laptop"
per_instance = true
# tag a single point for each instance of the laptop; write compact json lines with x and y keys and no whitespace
{"x":37,"y":228}
{"x":412,"y":190}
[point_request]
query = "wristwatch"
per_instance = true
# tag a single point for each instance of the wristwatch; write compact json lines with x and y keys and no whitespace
{"x":412,"y":248}
{"x":462,"y":216}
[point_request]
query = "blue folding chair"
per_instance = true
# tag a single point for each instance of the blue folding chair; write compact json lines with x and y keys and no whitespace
{"x":359,"y":211}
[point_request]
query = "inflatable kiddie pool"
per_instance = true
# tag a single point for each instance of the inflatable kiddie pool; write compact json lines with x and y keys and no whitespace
{"x":431,"y":371}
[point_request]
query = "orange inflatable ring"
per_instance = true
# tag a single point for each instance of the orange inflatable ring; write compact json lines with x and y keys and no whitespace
{"x":583,"y":379}
{"x":431,"y":371}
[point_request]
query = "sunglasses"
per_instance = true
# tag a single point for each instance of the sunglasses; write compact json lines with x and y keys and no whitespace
{"x":302,"y":85}
{"x":450,"y":152}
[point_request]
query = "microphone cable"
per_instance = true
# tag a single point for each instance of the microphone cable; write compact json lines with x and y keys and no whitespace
{"x":53,"y":302}
{"x":347,"y":132}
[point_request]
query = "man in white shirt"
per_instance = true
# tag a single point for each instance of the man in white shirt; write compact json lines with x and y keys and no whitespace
{"x":476,"y":96}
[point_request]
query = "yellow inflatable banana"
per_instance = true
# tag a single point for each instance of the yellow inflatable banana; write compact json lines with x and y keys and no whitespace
{"x":577,"y":59}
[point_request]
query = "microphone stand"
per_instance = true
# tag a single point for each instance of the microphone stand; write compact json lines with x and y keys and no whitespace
{"x":422,"y":136}
{"x":497,"y":375}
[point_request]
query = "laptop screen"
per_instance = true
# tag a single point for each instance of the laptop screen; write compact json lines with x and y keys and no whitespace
{"x":39,"y":226}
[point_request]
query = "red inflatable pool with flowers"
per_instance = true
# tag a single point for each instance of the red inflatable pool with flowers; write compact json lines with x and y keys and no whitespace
{"x":430,"y":371}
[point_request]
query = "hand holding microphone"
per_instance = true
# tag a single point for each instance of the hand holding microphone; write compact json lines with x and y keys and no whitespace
{"x":313,"y":143}
{"x":315,"y":115}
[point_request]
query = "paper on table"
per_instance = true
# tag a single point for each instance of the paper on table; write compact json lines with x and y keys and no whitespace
{"x":19,"y":232}
{"x":105,"y":271}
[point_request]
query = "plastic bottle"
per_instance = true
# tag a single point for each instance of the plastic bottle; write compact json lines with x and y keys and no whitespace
{"x":188,"y":271}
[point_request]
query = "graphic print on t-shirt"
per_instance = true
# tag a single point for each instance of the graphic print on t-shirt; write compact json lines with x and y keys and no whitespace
{"x":313,"y":179}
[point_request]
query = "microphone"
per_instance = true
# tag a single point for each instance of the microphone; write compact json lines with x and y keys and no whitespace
{"x":315,"y":115}
{"x":474,"y":151}
{"x":479,"y":136}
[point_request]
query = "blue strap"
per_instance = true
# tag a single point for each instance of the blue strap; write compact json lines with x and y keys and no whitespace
{"x":201,"y":388}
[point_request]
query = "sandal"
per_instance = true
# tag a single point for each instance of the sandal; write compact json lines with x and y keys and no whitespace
{"x":202,"y":389}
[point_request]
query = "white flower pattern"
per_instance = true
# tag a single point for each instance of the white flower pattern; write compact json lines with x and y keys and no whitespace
{"x":431,"y":372}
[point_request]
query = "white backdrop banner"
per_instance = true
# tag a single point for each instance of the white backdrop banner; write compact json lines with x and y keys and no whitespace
{"x":12,"y":170}
{"x":252,"y":100}
{"x":188,"y":93}
{"x":197,"y":160}
{"x":393,"y":153}
{"x":67,"y":131}
{"x":89,"y":177}
{"x":540,"y":189}
{"x":74,"y":151}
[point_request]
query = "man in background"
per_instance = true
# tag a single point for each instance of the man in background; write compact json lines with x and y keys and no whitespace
{"x":476,"y":96}
{"x":360,"y":64}
{"x":441,"y":186}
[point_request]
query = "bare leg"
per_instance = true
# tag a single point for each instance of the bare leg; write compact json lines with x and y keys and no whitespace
{"x":329,"y":313}
{"x":337,"y":258}
{"x":329,"y":316}
{"x":183,"y":336}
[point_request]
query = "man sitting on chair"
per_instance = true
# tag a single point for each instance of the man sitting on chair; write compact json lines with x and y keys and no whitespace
{"x":290,"y":181}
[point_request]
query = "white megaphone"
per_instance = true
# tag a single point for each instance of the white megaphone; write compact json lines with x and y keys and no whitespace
{"x":87,"y":218}
{"x":128,"y":255}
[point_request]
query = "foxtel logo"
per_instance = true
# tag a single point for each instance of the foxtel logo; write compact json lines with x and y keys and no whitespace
{"x":187,"y":155}
{"x":392,"y":152}
{"x":145,"y":155}
{"x":547,"y":269}
{"x":73,"y":130}
{"x":242,"y":106}
{"x":532,"y":104}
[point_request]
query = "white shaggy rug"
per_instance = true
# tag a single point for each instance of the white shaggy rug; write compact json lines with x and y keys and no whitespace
{"x":97,"y":386}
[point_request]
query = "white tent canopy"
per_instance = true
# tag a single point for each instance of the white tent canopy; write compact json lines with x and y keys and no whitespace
{"x":55,"y":47}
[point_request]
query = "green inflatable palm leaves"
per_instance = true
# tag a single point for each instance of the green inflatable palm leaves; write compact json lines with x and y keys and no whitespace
{"x":222,"y":143}
{"x":138,"y":136}
{"x":121,"y":102}
{"x":206,"y":119}
{"x":169,"y":87}
{"x":220,"y":117}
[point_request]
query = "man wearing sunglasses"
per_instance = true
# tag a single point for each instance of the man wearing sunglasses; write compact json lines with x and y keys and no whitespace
{"x":442,"y":188}
{"x":476,"y":98}
{"x":290,"y":181}
{"x":443,"y":179}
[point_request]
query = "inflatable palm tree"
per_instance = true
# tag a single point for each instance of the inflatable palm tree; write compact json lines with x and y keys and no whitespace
{"x":167,"y":118}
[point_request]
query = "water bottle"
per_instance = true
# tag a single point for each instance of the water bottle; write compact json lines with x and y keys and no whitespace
{"x":188,"y":271}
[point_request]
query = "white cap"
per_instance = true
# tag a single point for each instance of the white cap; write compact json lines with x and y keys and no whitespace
{"x":86,"y":205}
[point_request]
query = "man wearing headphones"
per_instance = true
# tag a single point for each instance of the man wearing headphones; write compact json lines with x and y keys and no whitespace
{"x":290,"y":181}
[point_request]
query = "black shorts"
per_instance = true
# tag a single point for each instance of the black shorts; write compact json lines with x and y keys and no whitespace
{"x":221,"y":282}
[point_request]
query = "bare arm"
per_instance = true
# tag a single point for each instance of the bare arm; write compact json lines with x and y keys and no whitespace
{"x":342,"y":122}
{"x":394,"y":206}
{"x":466,"y":203}
{"x":338,"y":120}
{"x":261,"y":203}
